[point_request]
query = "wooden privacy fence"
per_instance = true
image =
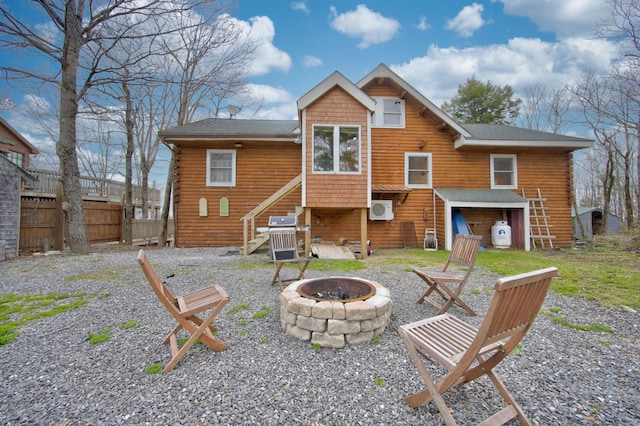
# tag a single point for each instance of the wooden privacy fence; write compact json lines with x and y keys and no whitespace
{"x":42,"y":219}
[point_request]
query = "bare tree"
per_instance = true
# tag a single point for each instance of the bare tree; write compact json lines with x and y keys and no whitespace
{"x":544,"y":109}
{"x":78,"y":38}
{"x":202,"y":68}
{"x":624,"y":25}
{"x":610,"y":108}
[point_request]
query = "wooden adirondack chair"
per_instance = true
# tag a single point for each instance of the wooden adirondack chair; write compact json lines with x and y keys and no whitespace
{"x":464,"y":252}
{"x":185,"y":309}
{"x":284,"y":249}
{"x":469,"y":353}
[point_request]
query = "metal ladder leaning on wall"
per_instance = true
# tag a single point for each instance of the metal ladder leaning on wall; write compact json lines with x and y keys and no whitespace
{"x":538,"y":223}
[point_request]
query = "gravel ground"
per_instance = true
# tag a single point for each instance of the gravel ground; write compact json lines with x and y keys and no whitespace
{"x":52,"y":374}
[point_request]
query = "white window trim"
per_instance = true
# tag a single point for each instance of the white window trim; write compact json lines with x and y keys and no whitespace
{"x":406,"y":169}
{"x":515,"y":171}
{"x":336,"y":150}
{"x":378,"y":116}
{"x":233,"y":167}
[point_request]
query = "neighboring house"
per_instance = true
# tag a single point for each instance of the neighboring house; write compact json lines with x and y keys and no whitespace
{"x":14,"y":161}
{"x":11,"y":177}
{"x":361,"y":160}
{"x":15,"y":147}
{"x":591,"y":219}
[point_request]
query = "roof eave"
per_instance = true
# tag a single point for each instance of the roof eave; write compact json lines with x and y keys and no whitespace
{"x":336,"y":79}
{"x":513,"y":143}
{"x":229,"y":137}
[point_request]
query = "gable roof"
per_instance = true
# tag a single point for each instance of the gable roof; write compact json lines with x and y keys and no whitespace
{"x":383,"y":71}
{"x":18,"y":137}
{"x":511,"y":136}
{"x":336,"y":79}
{"x":233,"y":128}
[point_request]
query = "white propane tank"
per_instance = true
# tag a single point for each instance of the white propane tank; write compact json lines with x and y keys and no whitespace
{"x":501,"y":234}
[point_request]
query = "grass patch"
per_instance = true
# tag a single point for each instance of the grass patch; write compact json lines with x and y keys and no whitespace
{"x":17,"y":310}
{"x":379,"y":381}
{"x":184,"y":340}
{"x":129,"y":324}
{"x":100,"y":337}
{"x":238,"y":308}
{"x":154,"y":368}
{"x":558,"y":319}
{"x":263,"y":312}
{"x":606,"y":273}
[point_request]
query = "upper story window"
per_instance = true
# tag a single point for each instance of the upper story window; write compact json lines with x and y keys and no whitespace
{"x":504,"y":171}
{"x":390,"y":112}
{"x":417,"y":170}
{"x":336,"y":149}
{"x":221,"y":167}
{"x":16,"y":158}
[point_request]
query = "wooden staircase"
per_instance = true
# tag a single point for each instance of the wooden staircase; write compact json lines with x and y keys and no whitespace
{"x":539,"y":227}
{"x":251,"y":241}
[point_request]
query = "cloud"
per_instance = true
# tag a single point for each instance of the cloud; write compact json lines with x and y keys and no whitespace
{"x":266,"y":57}
{"x":370,"y":27}
{"x":468,"y":20}
{"x":310,"y":61}
{"x":567,"y":18}
{"x":520,"y":62}
{"x":300,"y":5}
{"x":423,"y":24}
{"x":270,"y":94}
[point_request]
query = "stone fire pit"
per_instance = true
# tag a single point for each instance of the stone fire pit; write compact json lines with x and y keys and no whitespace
{"x":322,"y":311}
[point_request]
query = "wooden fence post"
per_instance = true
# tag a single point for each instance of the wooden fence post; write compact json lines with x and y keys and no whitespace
{"x":59,"y":220}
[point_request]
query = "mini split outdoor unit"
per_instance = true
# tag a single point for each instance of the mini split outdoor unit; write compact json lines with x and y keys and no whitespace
{"x":381,"y":210}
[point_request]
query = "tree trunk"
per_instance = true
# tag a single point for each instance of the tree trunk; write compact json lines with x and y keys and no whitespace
{"x":66,"y":148}
{"x":128,"y":201}
{"x":167,"y":202}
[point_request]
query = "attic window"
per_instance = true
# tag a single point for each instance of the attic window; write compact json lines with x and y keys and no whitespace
{"x":390,"y":112}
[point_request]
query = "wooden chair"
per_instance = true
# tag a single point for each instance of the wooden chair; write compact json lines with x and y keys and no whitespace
{"x":284,"y":249}
{"x":185,"y":309}
{"x":469,"y":353}
{"x":464,"y":252}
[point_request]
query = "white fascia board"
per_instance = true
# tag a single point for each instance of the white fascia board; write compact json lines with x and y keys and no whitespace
{"x":336,"y":79}
{"x":462,"y":141}
{"x":228,"y":138}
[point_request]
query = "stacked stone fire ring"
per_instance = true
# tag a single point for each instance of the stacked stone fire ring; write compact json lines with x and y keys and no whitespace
{"x":334,"y":311}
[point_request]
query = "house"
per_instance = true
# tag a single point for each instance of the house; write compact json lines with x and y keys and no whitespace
{"x":591,"y":219}
{"x":361,"y":161}
{"x":14,"y":160}
{"x":14,"y":146}
{"x":11,"y":177}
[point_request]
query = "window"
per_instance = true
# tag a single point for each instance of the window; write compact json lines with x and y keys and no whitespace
{"x":221,"y":167}
{"x":504,"y":171}
{"x":336,"y":149}
{"x":16,"y":158}
{"x":417,"y":170}
{"x":389,"y":112}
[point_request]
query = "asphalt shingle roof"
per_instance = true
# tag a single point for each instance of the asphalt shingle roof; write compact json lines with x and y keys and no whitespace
{"x":505,"y":132}
{"x":216,"y":127}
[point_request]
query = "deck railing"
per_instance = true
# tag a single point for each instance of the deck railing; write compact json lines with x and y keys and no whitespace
{"x":92,"y":188}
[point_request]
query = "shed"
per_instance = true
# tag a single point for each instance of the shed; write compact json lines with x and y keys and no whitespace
{"x":591,"y":218}
{"x":11,"y":177}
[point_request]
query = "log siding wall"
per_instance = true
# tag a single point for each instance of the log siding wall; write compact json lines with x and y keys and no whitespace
{"x":261,"y":169}
{"x":335,"y":200}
